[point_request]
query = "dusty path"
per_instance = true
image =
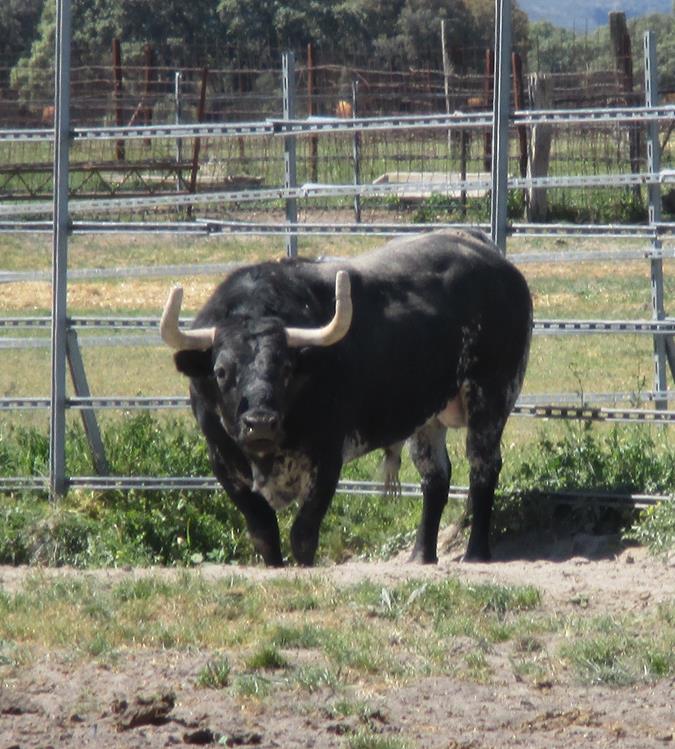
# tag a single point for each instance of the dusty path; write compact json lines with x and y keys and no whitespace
{"x":52,"y":702}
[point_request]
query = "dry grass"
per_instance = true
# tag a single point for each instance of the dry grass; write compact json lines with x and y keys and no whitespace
{"x":144,"y":296}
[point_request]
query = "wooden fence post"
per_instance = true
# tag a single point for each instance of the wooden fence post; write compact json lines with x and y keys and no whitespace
{"x":541,"y":97}
{"x":198,"y":141}
{"x":488,"y":84}
{"x":623,"y":64}
{"x":519,"y":104}
{"x":117,"y":94}
{"x":313,"y":139}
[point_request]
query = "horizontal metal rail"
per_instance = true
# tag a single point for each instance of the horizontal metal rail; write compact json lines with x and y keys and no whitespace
{"x":208,"y":226}
{"x":600,"y":116}
{"x":277,"y":126}
{"x":541,"y":327}
{"x":200,"y":130}
{"x":148,"y":271}
{"x":315,"y":191}
{"x":583,"y":327}
{"x":368,"y":488}
{"x":526,"y":401}
{"x":591,"y":413}
{"x":122,"y":402}
{"x":582,"y":399}
{"x":534,"y":410}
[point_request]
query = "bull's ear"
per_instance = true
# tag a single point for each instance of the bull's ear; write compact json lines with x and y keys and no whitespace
{"x":194,"y":363}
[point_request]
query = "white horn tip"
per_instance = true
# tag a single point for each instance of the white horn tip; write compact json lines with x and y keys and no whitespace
{"x":343,"y":285}
{"x":175,"y":295}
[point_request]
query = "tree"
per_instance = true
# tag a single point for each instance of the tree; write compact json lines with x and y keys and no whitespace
{"x":18,"y":26}
{"x":182,"y":33}
{"x":419,"y":29}
{"x":483,"y":13}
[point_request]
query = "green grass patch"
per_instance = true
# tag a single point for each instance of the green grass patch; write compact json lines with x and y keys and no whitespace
{"x":367,"y":635}
{"x":619,"y":653}
{"x":267,"y":658}
{"x":215,"y":674}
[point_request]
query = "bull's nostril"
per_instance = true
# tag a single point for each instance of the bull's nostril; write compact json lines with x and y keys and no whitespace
{"x":260,"y":424}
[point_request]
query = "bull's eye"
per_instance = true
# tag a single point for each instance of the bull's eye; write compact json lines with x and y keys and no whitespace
{"x":224,"y":375}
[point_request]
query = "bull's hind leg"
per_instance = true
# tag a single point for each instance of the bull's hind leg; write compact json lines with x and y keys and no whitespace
{"x":430,"y":456}
{"x":487,"y":418}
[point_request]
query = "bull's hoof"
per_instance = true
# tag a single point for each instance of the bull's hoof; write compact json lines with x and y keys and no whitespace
{"x":419,"y":557}
{"x":477,"y":556}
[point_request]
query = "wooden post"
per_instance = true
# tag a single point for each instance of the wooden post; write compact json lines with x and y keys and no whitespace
{"x":149,"y":74}
{"x":623,"y":64}
{"x":541,"y":97}
{"x":198,"y":141}
{"x":446,"y":77}
{"x":356,"y":152}
{"x":519,"y":104}
{"x":488,"y":84}
{"x":117,"y":94}
{"x":313,"y":139}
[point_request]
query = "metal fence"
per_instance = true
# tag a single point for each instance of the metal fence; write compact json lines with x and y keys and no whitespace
{"x":64,"y":216}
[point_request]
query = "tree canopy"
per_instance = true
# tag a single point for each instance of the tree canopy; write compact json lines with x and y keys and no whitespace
{"x":240,"y":33}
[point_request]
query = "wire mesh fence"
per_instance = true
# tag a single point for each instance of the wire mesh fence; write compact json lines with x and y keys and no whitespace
{"x":133,"y":95}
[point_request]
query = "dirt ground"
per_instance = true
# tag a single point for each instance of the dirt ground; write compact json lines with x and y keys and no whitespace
{"x":54,"y":703}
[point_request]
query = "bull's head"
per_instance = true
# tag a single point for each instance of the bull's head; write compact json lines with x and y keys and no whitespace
{"x":251,"y":362}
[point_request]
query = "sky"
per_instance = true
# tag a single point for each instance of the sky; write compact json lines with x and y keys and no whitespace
{"x":584,"y":14}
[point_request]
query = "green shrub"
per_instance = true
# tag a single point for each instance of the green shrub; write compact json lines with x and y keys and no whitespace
{"x":142,"y":527}
{"x":630,"y":459}
{"x":655,"y":528}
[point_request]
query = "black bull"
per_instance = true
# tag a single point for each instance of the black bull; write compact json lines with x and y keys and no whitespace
{"x":297,"y":367}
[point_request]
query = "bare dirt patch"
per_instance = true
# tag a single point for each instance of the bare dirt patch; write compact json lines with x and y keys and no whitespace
{"x":146,"y":698}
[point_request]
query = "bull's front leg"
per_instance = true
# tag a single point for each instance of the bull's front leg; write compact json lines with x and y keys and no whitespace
{"x":233,"y":474}
{"x":262,"y":525}
{"x":307,"y":523}
{"x":260,"y":518}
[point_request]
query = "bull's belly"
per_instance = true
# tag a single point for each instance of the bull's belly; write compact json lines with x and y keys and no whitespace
{"x":453,"y":416}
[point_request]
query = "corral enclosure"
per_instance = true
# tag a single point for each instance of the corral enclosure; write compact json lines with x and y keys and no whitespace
{"x":265,"y":152}
{"x":563,"y":641}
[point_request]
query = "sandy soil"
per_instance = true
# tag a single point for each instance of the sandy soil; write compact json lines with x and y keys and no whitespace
{"x":53,"y":703}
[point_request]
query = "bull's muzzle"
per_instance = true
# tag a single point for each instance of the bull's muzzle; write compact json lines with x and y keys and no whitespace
{"x":260,"y":430}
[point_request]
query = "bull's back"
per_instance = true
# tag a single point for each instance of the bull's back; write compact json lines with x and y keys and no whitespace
{"x":430,"y":312}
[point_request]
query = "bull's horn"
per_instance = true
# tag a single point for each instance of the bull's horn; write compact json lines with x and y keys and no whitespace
{"x":337,"y":328}
{"x":197,"y":339}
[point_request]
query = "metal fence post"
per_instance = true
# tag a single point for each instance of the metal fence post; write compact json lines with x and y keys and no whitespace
{"x":654,"y":167}
{"x":290,"y":152}
{"x":59,"y":326}
{"x":500,"y":123}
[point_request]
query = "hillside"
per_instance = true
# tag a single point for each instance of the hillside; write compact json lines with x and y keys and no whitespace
{"x":583,"y":14}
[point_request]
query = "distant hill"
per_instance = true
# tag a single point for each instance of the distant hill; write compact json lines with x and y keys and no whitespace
{"x":584,"y":14}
